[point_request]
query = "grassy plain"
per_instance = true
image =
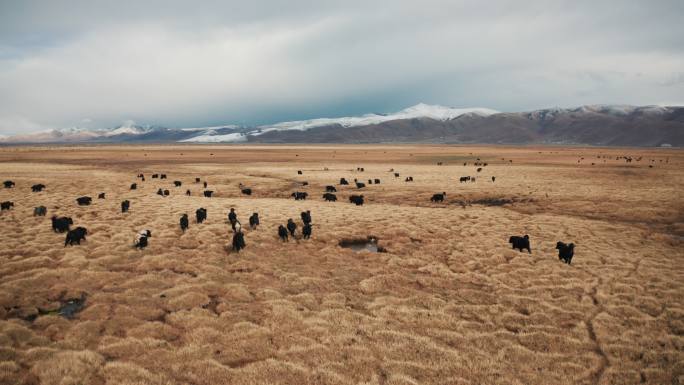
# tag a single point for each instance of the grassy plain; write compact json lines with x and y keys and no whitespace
{"x":448,"y":303}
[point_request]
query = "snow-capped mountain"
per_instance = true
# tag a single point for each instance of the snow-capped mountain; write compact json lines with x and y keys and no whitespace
{"x":590,"y":124}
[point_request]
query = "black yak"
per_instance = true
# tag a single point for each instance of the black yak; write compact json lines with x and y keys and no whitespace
{"x":330,"y":197}
{"x":37,"y":187}
{"x":565,"y":251}
{"x":299,"y":195}
{"x":306,"y":216}
{"x":246,"y":191}
{"x":233,"y":219}
{"x":438,"y":197}
{"x":84,"y":201}
{"x":207,"y":193}
{"x":356,"y":199}
{"x":282,"y":233}
{"x":188,"y":193}
{"x":8,"y":184}
{"x":330,"y":189}
{"x":360,"y":185}
{"x":61,"y":224}
{"x":101,"y":196}
{"x":39,"y":211}
{"x":343,"y":181}
{"x":75,"y":236}
{"x":306,"y":231}
{"x":134,"y":186}
{"x":254,"y":221}
{"x":200,"y":214}
{"x":177,"y":183}
{"x":520,"y":243}
{"x":238,"y":241}
{"x":291,"y":227}
{"x":125,"y":205}
{"x":6,"y":205}
{"x":184,"y":223}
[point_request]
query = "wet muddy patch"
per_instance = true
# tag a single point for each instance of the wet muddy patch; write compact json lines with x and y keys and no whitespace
{"x":369,"y":243}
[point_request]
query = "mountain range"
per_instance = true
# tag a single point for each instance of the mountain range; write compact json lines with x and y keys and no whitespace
{"x":604,"y":125}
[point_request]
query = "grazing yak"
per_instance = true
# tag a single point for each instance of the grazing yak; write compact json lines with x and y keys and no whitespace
{"x":197,"y":180}
{"x":188,"y":193}
{"x":464,"y":179}
{"x":360,"y":185}
{"x":409,"y":179}
{"x":479,"y":169}
{"x":291,"y":227}
{"x":134,"y":186}
{"x":330,"y":197}
{"x":238,"y":241}
{"x":370,"y":181}
{"x":356,"y":199}
{"x":177,"y":183}
{"x":61,"y":224}
{"x":299,"y":195}
{"x":520,"y":243}
{"x":299,"y":172}
{"x":160,"y":192}
{"x":39,"y":211}
{"x":37,"y":187}
{"x":396,"y":175}
{"x":254,"y":221}
{"x":184,"y":223}
{"x":83,"y":201}
{"x":125,"y":205}
{"x":162,"y":176}
{"x":306,"y":231}
{"x":306,"y":216}
{"x":141,"y":239}
{"x":101,"y":196}
{"x":205,"y":184}
{"x":75,"y":236}
{"x":330,"y":189}
{"x":493,"y":178}
{"x":155,"y":176}
{"x":8,"y":184}
{"x":141,"y":175}
{"x":377,"y":181}
{"x":166,"y":193}
{"x":343,"y":181}
{"x":305,"y":183}
{"x":6,"y":205}
{"x":233,"y":219}
{"x":246,"y":191}
{"x":201,"y":214}
{"x":565,"y":251}
{"x":207,"y":193}
{"x":282,"y":233}
{"x":438,"y":197}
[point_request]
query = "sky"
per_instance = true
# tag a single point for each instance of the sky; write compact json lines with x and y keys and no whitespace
{"x":98,"y":64}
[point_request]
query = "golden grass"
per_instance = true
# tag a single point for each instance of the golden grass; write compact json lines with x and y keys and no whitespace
{"x":448,"y":303}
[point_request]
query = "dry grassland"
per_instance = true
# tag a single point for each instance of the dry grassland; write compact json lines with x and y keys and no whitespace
{"x":448,"y":303}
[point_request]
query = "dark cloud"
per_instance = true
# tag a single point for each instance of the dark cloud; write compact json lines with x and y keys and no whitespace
{"x":182,"y":63}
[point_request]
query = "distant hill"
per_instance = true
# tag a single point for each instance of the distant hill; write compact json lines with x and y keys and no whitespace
{"x":605,"y":125}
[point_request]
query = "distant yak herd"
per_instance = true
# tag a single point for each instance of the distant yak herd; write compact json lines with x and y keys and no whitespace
{"x":284,"y":232}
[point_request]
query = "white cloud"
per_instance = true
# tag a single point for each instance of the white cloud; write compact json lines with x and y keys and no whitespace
{"x":180,"y":65}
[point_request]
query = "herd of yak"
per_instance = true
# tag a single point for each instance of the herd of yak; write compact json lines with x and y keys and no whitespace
{"x":76,"y":235}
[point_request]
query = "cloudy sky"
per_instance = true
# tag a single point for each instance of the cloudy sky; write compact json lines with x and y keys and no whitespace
{"x":97,"y":63}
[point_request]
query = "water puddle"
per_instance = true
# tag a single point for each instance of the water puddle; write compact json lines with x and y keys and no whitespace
{"x":361,"y":244}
